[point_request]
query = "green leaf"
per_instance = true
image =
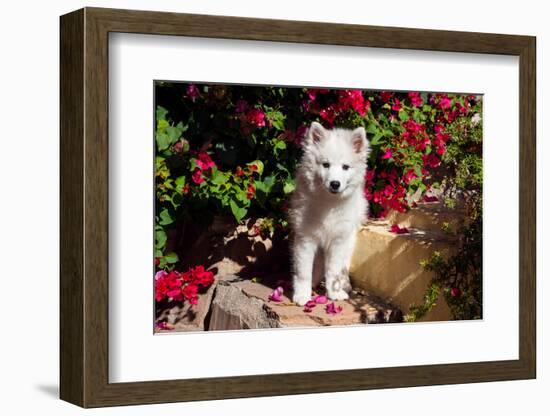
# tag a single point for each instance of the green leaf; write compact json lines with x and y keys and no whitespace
{"x":372,"y":129}
{"x":376,"y":139}
{"x":259,"y":164}
{"x":161,"y":112}
{"x":289,"y":187}
{"x":165,"y":217}
{"x":237,"y":211}
{"x":180,"y":183}
{"x":160,"y":239}
{"x":163,"y":141}
{"x":218,"y":177}
{"x":171,"y":258}
{"x":403,"y":116}
{"x":174,"y":133}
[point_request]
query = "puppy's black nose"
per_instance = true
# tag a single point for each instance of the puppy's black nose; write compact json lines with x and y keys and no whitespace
{"x":334,"y":185}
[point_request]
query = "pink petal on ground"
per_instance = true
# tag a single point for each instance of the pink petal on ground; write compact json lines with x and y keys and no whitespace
{"x":430,"y":198}
{"x":396,"y":229}
{"x":332,"y":309}
{"x":320,"y":299}
{"x":276,"y":295}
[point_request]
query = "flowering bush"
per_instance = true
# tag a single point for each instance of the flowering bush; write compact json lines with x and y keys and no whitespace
{"x":231,"y":149}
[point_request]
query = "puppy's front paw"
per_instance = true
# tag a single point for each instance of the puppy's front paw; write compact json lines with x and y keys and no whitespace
{"x":338,"y":295}
{"x":300,"y":299}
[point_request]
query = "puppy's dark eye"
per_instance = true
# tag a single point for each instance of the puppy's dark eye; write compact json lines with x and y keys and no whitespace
{"x":345,"y":167}
{"x":326,"y":165}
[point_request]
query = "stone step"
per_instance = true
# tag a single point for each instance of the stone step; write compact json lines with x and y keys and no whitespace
{"x":429,"y":216}
{"x":243,"y":304}
{"x":388,"y":265}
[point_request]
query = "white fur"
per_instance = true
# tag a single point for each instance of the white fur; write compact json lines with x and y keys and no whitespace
{"x":325,"y":220}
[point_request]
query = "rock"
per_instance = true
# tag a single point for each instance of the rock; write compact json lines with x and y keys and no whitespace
{"x":243,"y":304}
{"x":184,"y":316}
{"x":233,"y":309}
{"x":388,"y":265}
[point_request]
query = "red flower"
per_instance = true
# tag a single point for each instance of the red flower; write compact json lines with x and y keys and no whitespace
{"x":251,"y":191}
{"x":197,"y":176}
{"x":415,"y":98}
{"x":190,"y":293}
{"x":241,"y":106}
{"x":255,"y":117}
{"x":253,"y":168}
{"x":455,"y":292}
{"x":396,"y":105}
{"x":444,"y":102}
{"x":387,"y":154}
{"x":431,"y":161}
{"x":385,"y":96}
{"x":193,"y":92}
{"x":204,"y":161}
{"x":157,"y":261}
{"x":201,"y":276}
{"x":409,"y":176}
{"x":185,"y":189}
{"x":239,"y":171}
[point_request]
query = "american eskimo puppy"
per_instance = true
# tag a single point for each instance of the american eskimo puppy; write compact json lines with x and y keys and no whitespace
{"x":327,"y":207}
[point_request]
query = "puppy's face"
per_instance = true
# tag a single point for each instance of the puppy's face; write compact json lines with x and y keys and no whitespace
{"x":337,"y":158}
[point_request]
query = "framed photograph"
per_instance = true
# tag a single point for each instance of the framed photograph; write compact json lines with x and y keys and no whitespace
{"x":254,"y":207}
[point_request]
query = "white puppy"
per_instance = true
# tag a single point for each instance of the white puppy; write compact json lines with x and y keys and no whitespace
{"x":327,"y":207}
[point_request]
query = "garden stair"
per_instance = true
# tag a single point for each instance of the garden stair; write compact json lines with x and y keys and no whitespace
{"x":388,"y":264}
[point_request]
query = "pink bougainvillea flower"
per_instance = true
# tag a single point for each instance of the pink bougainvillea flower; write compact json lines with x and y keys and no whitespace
{"x":455,"y":292}
{"x":388,"y":154}
{"x":256,"y":117}
{"x":190,"y":293}
{"x":185,"y":189}
{"x":193,"y":92}
{"x":253,"y":167}
{"x":396,"y":229}
{"x":197,"y":176}
{"x":415,"y":98}
{"x":409,"y":176}
{"x":320,"y":299}
{"x":385,"y":96}
{"x":396,"y":106}
{"x":430,"y":198}
{"x":160,"y":274}
{"x":277,"y":295}
{"x":332,"y":309}
{"x":250,"y":191}
{"x":444,"y":102}
{"x":202,"y":277}
{"x":431,"y":161}
{"x":241,"y":106}
{"x":309,"y":306}
{"x":163,"y":326}
{"x":204,"y":161}
{"x":157,"y":261}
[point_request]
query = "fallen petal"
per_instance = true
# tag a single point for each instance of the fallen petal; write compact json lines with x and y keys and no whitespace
{"x":320,"y":299}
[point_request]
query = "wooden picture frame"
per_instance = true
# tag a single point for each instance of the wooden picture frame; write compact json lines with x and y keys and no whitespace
{"x":84,"y":207}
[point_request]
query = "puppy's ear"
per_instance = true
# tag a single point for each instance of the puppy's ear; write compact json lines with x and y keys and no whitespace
{"x":359,"y":141}
{"x":316,"y":133}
